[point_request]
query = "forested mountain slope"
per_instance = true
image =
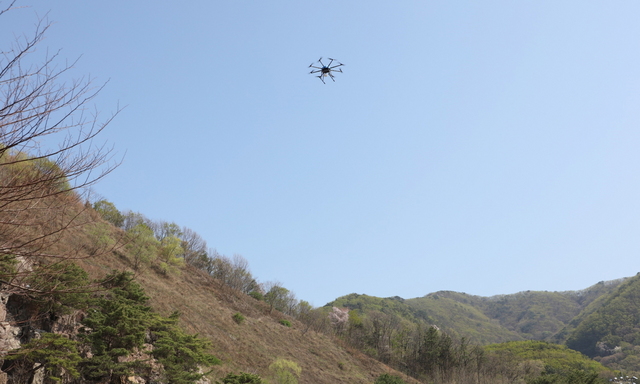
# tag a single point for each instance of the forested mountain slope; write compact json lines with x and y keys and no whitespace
{"x":530,"y":315}
{"x":610,"y":331}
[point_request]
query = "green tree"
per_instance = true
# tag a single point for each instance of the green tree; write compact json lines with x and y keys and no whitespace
{"x":116,"y":323}
{"x":573,"y":377}
{"x":169,"y":254}
{"x":285,"y":371}
{"x":109,"y":212}
{"x":58,"y":288}
{"x":120,"y":322}
{"x":181,"y":354}
{"x":54,"y":353}
{"x":280,"y":298}
{"x":142,"y":245}
{"x":170,"y":250}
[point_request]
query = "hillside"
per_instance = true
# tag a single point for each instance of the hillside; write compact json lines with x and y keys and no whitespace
{"x":610,"y":331}
{"x":207,"y":308}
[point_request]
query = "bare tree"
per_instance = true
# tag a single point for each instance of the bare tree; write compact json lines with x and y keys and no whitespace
{"x":47,"y":156}
{"x":232,"y":272}
{"x":195,"y":248}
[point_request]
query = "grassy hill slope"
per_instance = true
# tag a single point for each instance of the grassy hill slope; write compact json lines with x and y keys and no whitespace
{"x":208,"y":308}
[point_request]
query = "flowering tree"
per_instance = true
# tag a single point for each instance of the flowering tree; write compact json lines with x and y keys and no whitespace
{"x":339,"y":318}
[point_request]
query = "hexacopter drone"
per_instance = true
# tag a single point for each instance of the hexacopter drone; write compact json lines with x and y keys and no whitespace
{"x":325,"y":70}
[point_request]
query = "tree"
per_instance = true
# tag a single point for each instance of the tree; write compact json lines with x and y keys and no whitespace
{"x":181,"y":354}
{"x":194,"y":247}
{"x":54,"y":353}
{"x":285,"y":371}
{"x":109,"y":212}
{"x":339,"y":318}
{"x":47,"y":154}
{"x":242,"y":378}
{"x":164,"y":229}
{"x":170,"y":250}
{"x":132,"y":219}
{"x":277,"y":296}
{"x":142,"y":245}
{"x":115,"y":326}
{"x":232,"y":272}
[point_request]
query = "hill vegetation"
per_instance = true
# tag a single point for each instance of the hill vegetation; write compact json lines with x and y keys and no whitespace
{"x":90,"y":294}
{"x":611,"y":332}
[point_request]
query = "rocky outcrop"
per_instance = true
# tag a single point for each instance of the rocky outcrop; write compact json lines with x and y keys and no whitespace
{"x":8,"y":333}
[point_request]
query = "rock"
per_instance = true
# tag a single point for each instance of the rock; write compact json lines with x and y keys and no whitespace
{"x":4,"y":297}
{"x":8,"y":337}
{"x":38,"y":376}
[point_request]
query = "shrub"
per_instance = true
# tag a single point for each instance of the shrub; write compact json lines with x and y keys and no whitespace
{"x":386,"y":378}
{"x":238,"y":318}
{"x":242,"y":378}
{"x":286,"y":323}
{"x":285,"y":371}
{"x":256,"y":295}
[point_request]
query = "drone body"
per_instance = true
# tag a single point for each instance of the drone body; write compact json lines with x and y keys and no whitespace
{"x":326,"y":70}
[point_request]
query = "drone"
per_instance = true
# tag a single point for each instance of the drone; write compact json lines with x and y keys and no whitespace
{"x":325,"y":70}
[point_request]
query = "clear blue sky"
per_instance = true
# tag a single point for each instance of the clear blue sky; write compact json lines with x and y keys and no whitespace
{"x":483,"y":147}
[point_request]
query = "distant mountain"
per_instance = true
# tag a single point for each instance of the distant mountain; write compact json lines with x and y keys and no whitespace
{"x":530,"y":315}
{"x":535,"y":315}
{"x":456,"y":318}
{"x":461,"y":315}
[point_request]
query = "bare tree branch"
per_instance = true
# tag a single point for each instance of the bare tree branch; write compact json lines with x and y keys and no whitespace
{"x":48,"y":156}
